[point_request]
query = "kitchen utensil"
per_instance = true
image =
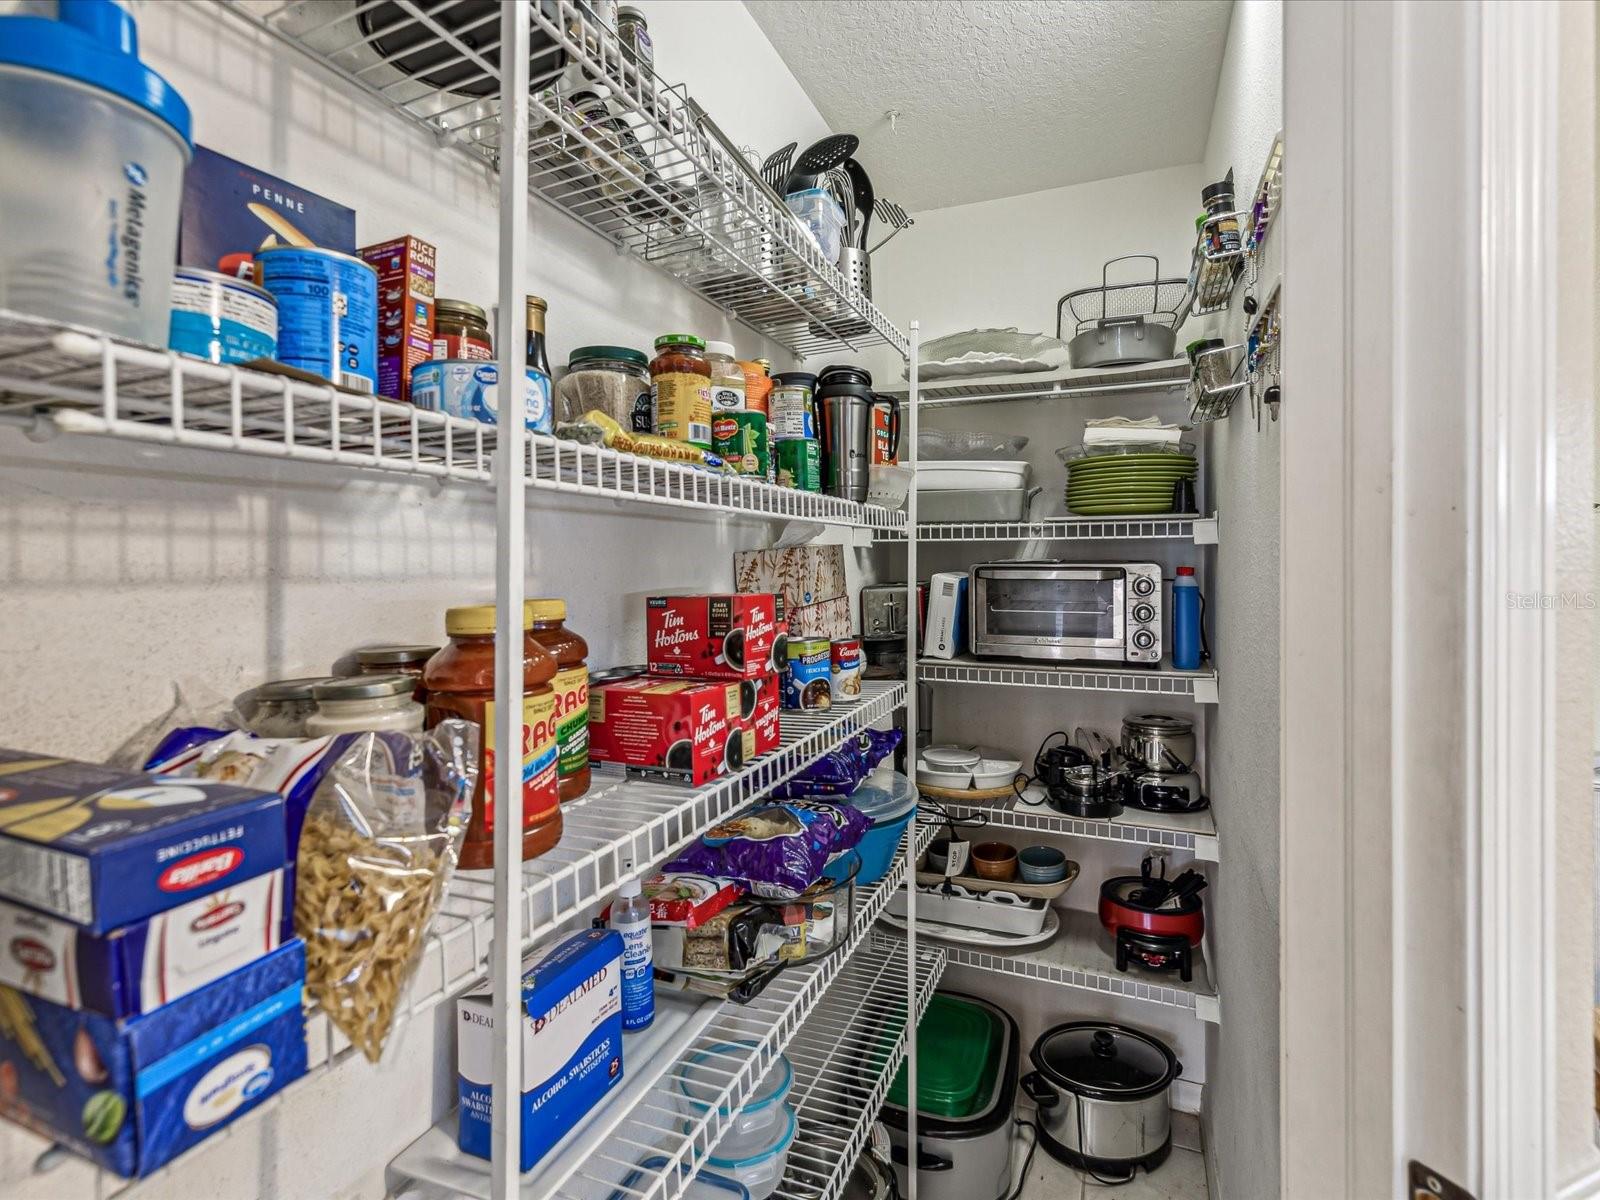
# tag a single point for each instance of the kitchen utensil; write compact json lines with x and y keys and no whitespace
{"x":892,"y":215}
{"x":844,"y":402}
{"x":1103,"y":1093}
{"x":1120,"y":324}
{"x":991,"y":773}
{"x":856,"y":267}
{"x":975,"y":883}
{"x":948,"y":757}
{"x":757,"y":1123}
{"x":993,"y":911}
{"x":817,"y":159}
{"x":1159,"y":742}
{"x":1183,"y":496}
{"x":968,"y":445}
{"x":883,"y":610}
{"x":975,"y":504}
{"x":938,"y":856}
{"x":775,"y":170}
{"x":889,"y":801}
{"x":864,"y":199}
{"x":995,"y":860}
{"x":1041,"y":864}
{"x":1133,"y":910}
{"x":962,"y":935}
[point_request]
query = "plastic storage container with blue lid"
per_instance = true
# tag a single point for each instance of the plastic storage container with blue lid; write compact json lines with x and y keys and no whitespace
{"x":889,"y":799}
{"x":95,"y":145}
{"x":701,"y":1078}
{"x":759,"y":1170}
{"x":706,"y":1185}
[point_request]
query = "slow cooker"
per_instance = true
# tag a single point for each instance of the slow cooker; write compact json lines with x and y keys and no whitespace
{"x":1104,"y":1100}
{"x":967,"y":1051}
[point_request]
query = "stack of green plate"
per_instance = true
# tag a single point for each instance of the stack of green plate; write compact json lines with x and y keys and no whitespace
{"x":1108,"y":485}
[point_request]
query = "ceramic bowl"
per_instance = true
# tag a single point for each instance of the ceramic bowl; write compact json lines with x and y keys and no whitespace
{"x":938,"y":855}
{"x":1042,"y":864}
{"x":994,"y":860}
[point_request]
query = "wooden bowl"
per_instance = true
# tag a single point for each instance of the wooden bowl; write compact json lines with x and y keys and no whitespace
{"x":994,"y":860}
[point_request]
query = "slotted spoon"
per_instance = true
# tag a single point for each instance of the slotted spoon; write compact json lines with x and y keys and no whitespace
{"x":818,"y":159}
{"x":776,"y":169}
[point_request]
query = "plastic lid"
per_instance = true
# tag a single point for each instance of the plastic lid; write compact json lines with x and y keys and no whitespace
{"x":680,"y":339}
{"x":803,"y":378}
{"x":885,"y":800}
{"x":781,"y":1146}
{"x":470,"y":620}
{"x":630,"y":888}
{"x":1185,"y":570}
{"x":390,"y":656}
{"x":364,"y":687}
{"x":845,"y":373}
{"x":956,"y":1051}
{"x":544,"y":610}
{"x":1097,"y":1059}
{"x":725,"y":349}
{"x":701,"y":1086}
{"x":290,"y":689}
{"x":94,"y":42}
{"x":585,"y":354}
{"x":705,"y":1185}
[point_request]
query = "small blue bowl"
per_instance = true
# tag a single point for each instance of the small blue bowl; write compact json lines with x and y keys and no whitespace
{"x":1042,"y":864}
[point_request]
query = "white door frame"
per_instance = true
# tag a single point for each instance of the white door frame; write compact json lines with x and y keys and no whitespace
{"x":1436,"y":462}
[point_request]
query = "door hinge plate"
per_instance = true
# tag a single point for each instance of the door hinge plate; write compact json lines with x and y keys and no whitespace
{"x":1428,"y":1184}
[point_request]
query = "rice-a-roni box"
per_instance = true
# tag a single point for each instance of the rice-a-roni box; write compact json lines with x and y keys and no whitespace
{"x":571,"y":1043}
{"x":133,"y":1094}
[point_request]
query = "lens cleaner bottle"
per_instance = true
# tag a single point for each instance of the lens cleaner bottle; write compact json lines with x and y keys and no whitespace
{"x":630,"y":916}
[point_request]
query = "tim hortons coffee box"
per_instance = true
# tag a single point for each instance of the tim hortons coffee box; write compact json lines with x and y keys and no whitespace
{"x":685,"y":730}
{"x":769,"y":702}
{"x":711,"y":637}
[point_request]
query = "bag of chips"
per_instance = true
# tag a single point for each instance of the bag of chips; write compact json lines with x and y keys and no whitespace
{"x":775,"y":851}
{"x":841,"y":770}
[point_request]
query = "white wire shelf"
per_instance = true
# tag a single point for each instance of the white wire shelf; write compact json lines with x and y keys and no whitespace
{"x":1198,"y":686}
{"x":645,"y":173}
{"x":843,"y":1070}
{"x":55,"y":378}
{"x":1083,"y":955}
{"x":1195,"y":833}
{"x":1168,"y":375}
{"x":617,"y":822}
{"x":605,"y":1155}
{"x":1202,"y":531}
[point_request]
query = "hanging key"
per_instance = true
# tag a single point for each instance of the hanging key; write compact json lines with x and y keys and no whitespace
{"x":1274,"y":397}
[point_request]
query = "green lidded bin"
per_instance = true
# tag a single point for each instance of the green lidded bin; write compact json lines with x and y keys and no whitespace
{"x":957,"y":1046}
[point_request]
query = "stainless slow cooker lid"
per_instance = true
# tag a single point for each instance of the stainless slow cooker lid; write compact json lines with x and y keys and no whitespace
{"x":1104,"y":1061}
{"x":1157,"y":723}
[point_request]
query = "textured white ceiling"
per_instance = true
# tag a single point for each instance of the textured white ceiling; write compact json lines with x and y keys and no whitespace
{"x":1003,"y":97}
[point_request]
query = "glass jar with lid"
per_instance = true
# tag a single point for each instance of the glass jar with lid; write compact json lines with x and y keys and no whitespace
{"x":727,"y":378}
{"x":460,"y":682}
{"x":680,"y":390}
{"x":282,"y":706}
{"x":634,"y":34}
{"x":396,"y":660}
{"x":613,"y":379}
{"x":364,"y":703}
{"x":461,"y":330}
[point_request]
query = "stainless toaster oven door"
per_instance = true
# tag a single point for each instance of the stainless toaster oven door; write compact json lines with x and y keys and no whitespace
{"x":1051,"y":613}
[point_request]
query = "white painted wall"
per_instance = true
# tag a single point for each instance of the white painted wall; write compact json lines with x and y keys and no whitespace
{"x":1241,"y":1118}
{"x":129,"y":571}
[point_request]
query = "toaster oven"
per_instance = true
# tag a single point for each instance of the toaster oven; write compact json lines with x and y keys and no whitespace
{"x":1067,"y":612}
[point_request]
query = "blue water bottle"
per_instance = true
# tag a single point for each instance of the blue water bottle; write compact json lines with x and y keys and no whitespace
{"x":1186,"y":620}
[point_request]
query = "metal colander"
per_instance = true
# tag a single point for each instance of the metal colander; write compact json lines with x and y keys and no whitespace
{"x":1146,"y":295}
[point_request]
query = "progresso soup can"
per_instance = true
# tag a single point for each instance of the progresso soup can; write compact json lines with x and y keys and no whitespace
{"x":221,"y":319}
{"x":327,"y":313}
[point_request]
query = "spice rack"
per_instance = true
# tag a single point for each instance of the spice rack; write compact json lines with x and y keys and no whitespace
{"x":1214,"y":401}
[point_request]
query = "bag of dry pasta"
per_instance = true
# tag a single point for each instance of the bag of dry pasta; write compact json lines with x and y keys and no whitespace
{"x":379,"y":843}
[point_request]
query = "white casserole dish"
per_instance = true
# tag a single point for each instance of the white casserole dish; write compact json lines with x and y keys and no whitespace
{"x":981,"y":474}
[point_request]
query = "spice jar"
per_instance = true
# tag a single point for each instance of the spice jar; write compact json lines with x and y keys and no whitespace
{"x":461,"y":330}
{"x":680,"y":390}
{"x":546,"y":625}
{"x":634,"y":34}
{"x":364,"y":703}
{"x":1207,"y":364}
{"x":613,"y":379}
{"x":282,"y":706}
{"x":460,"y":683}
{"x":1222,"y":220}
{"x":757,"y":384}
{"x":727,"y":378}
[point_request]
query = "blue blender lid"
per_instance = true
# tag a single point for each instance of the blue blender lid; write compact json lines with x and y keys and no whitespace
{"x":93,"y":42}
{"x":885,"y":801}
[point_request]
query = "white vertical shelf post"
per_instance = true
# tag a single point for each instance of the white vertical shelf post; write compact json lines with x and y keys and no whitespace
{"x":510,"y":516}
{"x":912,"y":706}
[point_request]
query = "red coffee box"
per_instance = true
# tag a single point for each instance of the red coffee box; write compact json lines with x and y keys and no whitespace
{"x":405,"y":269}
{"x":685,"y":730}
{"x":711,"y":637}
{"x":769,"y":703}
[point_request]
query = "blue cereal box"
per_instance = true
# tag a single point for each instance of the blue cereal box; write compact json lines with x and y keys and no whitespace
{"x":231,"y":209}
{"x":571,"y":1043}
{"x":131,"y":1095}
{"x":148,"y":963}
{"x":103,"y":848}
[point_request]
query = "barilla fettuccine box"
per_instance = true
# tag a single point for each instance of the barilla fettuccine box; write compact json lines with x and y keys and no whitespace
{"x":134,"y":1094}
{"x":103,"y":848}
{"x":571,"y":1043}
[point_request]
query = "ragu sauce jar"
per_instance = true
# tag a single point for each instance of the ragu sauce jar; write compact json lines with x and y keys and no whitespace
{"x":547,"y":627}
{"x":460,"y":683}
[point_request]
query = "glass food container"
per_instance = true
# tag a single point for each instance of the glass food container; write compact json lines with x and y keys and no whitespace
{"x":283,"y":705}
{"x":364,"y":703}
{"x":613,"y":379}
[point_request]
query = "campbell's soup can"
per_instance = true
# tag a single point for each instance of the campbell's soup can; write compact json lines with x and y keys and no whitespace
{"x":846,"y":663}
{"x":327,"y":313}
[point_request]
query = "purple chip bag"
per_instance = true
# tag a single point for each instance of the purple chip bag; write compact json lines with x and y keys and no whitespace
{"x":776,"y":851}
{"x":841,"y":770}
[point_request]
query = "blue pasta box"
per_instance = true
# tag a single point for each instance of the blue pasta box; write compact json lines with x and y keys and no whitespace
{"x":134,"y":1094}
{"x":571,"y":1043}
{"x":148,"y":963}
{"x":231,"y":209}
{"x":103,"y":848}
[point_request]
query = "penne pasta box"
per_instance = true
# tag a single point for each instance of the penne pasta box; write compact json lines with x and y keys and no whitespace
{"x":103,"y":848}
